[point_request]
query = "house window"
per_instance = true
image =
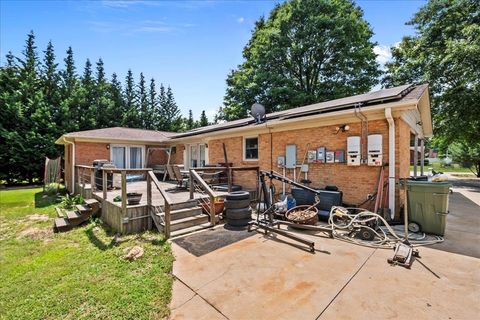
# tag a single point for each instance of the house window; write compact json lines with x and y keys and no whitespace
{"x":127,"y":157}
{"x":251,"y":148}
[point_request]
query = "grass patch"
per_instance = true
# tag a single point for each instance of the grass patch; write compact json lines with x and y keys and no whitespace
{"x":437,"y":166}
{"x":81,"y":274}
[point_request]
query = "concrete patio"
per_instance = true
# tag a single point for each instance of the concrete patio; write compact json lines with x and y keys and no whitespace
{"x":263,"y":277}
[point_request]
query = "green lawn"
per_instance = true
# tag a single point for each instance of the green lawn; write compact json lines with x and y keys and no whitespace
{"x":80,"y":274}
{"x":439,"y":167}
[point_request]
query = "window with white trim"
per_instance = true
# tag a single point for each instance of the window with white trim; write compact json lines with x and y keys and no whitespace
{"x":250,"y":148}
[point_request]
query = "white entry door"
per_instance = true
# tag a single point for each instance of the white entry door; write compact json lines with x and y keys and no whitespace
{"x":197,"y":155}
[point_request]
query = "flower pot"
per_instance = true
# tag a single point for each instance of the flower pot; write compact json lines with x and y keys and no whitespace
{"x":133,"y":198}
{"x":219,"y":205}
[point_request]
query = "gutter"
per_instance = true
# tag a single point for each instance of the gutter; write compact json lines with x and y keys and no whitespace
{"x":274,"y":123}
{"x":391,"y":161}
{"x":73,"y":163}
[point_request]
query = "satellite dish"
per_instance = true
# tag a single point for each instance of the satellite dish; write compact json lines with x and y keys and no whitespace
{"x":258,"y":112}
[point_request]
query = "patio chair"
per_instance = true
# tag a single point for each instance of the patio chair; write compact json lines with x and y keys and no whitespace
{"x":171,"y":174}
{"x":182,"y":181}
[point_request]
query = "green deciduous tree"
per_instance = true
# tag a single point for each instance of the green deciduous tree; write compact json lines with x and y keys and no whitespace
{"x":305,"y":52}
{"x":445,"y":52}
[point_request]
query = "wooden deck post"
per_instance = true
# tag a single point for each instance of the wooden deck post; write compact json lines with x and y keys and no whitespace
{"x":104,"y":184}
{"x":212,"y":210}
{"x":83,"y":180}
{"x":78,"y":176}
{"x":190,"y":176}
{"x":167,"y":220}
{"x":149,"y":200}
{"x":93,"y":184}
{"x":124,"y":192}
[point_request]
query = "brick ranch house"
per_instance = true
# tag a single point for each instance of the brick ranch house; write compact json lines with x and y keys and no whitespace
{"x":395,"y":114}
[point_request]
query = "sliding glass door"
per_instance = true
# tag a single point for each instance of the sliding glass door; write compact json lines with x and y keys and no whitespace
{"x":136,"y":159}
{"x":128,"y":157}
{"x":118,"y":157}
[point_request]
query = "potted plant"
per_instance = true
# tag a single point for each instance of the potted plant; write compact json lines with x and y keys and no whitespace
{"x":218,"y":203}
{"x":133,"y":198}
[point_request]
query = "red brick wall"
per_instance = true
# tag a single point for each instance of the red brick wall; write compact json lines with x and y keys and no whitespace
{"x":355,"y":182}
{"x":234,"y":147}
{"x":86,"y":152}
{"x":156,"y":156}
{"x":177,"y":157}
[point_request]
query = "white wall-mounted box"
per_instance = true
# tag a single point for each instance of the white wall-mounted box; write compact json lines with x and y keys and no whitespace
{"x":375,"y":150}
{"x":353,"y":151}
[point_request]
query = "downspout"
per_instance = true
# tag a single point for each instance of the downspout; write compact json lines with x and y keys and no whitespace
{"x":391,"y":161}
{"x":73,"y":163}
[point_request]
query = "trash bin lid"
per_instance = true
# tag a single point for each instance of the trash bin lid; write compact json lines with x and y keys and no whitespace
{"x":428,"y":186}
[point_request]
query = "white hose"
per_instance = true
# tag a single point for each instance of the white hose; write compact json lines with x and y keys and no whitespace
{"x":385,"y":236}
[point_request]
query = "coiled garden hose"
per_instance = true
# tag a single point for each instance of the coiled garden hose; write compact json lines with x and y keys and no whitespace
{"x":385,"y":236}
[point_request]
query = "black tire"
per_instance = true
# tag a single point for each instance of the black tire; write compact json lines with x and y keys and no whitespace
{"x":238,"y":195}
{"x":236,"y":214}
{"x":238,"y":222}
{"x":236,"y":204}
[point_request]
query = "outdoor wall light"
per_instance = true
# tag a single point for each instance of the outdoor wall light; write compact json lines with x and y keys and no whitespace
{"x":108,"y":147}
{"x":343,"y":128}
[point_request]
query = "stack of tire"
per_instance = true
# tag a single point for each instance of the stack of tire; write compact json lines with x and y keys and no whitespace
{"x":237,"y":208}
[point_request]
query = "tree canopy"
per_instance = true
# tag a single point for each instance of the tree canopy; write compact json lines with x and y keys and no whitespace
{"x":305,"y":52}
{"x":40,"y":101}
{"x":445,"y":53}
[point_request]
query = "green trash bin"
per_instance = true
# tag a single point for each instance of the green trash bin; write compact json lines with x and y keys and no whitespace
{"x":428,"y":206}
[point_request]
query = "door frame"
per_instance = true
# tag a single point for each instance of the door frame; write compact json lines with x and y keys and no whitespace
{"x":127,"y":153}
{"x":187,"y":158}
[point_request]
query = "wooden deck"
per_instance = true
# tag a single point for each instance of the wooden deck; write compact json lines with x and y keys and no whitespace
{"x":176,"y":195}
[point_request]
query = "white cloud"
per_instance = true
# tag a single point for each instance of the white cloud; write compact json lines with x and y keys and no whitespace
{"x":383,"y":53}
{"x":241,"y":20}
{"x":153,"y":29}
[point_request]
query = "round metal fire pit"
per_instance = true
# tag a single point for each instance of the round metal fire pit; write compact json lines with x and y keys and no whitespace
{"x":300,"y":216}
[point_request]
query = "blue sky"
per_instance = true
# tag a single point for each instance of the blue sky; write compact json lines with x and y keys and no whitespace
{"x":190,"y":45}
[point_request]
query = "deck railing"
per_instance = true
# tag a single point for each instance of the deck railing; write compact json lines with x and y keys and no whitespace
{"x":152,"y":179}
{"x":194,"y":176}
{"x":85,"y":175}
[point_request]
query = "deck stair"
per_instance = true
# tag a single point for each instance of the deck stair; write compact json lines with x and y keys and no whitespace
{"x":82,"y":212}
{"x":186,"y":217}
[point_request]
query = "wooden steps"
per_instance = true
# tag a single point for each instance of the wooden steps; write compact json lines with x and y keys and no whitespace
{"x":82,"y":212}
{"x":185,"y":217}
{"x":182,"y":232}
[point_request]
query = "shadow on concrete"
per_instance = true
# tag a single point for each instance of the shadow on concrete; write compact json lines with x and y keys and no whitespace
{"x":212,"y":239}
{"x":462,"y":234}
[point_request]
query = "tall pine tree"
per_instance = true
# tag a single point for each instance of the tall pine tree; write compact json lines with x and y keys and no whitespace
{"x":142,"y":103}
{"x":152,"y":106}
{"x":130,"y":115}
{"x":203,"y":119}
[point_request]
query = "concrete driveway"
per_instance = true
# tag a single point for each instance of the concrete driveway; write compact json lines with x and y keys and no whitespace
{"x":265,"y":277}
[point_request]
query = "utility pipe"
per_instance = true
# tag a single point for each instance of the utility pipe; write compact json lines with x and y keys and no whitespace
{"x":422,"y":157}
{"x":73,"y":163}
{"x":391,"y":161}
{"x":415,"y":156}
